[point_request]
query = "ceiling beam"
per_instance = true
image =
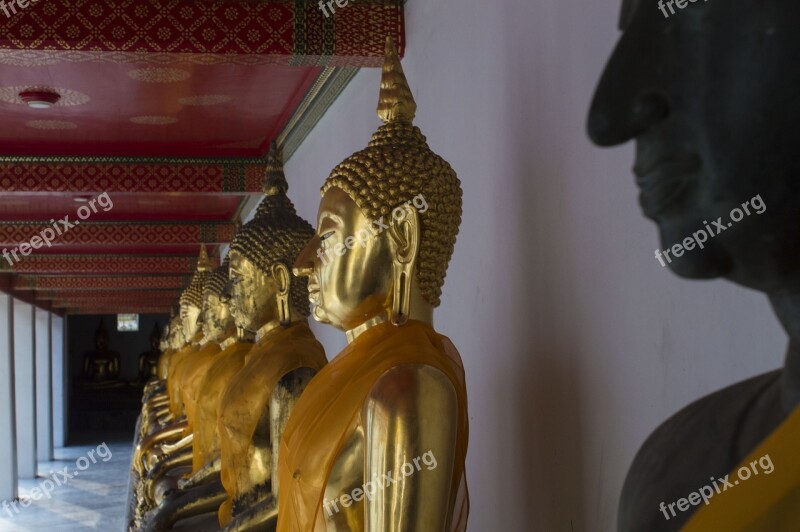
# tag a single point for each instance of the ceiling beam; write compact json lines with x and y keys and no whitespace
{"x":94,"y":264}
{"x":122,"y":295}
{"x":119,"y":234}
{"x":163,"y":32}
{"x":111,"y":302}
{"x":95,"y":175}
{"x":103,"y":282}
{"x":120,"y":309}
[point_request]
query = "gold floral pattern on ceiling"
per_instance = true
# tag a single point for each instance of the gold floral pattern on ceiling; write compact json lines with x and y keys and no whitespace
{"x":159,"y":75}
{"x":154,"y":120}
{"x":50,"y":124}
{"x":205,"y":99}
{"x":68,"y":97}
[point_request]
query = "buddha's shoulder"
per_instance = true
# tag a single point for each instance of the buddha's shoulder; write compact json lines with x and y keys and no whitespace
{"x":705,"y":439}
{"x":428,"y":382}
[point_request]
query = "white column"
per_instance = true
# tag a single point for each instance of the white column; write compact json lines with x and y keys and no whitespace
{"x":44,"y":387}
{"x":58,"y":396}
{"x":8,"y":431}
{"x":25,"y":387}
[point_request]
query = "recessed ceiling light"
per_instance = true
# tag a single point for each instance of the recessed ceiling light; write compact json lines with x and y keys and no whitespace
{"x":39,"y":99}
{"x":81,"y":199}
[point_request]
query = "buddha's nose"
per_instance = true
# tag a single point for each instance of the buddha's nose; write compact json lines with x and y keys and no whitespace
{"x":304,"y":265}
{"x":631,"y":94}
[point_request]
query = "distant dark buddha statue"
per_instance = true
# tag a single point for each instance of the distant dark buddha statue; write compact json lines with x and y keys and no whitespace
{"x":148,"y":360}
{"x":708,"y":94}
{"x":101,"y":366}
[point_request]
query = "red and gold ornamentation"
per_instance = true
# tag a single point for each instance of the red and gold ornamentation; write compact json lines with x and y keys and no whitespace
{"x":57,"y":283}
{"x":51,"y":125}
{"x":205,"y":100}
{"x":119,"y":309}
{"x":292,"y":32}
{"x":129,"y":174}
{"x":120,"y":295}
{"x":89,"y":264}
{"x":121,"y":234}
{"x":151,"y":120}
{"x":102,"y":299}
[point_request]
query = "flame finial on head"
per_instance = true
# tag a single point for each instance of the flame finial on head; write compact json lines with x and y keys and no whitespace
{"x":274,"y":179}
{"x":396,"y":101}
{"x":203,"y":264}
{"x":193,"y":294}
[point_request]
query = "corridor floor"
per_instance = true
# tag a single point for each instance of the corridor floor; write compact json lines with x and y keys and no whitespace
{"x":87,"y":488}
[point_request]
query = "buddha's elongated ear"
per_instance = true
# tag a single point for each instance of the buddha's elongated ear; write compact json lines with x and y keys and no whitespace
{"x":283,"y":281}
{"x":404,"y":231}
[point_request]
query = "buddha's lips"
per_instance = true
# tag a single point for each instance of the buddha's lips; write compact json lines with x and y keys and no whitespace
{"x":662,"y":181}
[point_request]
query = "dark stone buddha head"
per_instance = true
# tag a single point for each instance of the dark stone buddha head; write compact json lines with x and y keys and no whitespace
{"x":709,"y":95}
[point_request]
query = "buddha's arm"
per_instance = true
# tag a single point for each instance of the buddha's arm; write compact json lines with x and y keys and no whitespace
{"x":409,"y":417}
{"x":208,"y":473}
{"x":284,"y":398}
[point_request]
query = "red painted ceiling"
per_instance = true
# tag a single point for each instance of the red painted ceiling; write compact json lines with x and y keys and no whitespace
{"x":138,"y":109}
{"x":170,"y":107}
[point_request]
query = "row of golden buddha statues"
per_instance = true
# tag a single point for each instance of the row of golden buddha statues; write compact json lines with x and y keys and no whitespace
{"x":247,"y":426}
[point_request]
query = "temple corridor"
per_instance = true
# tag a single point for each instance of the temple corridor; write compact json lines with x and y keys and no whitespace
{"x":89,"y":499}
{"x":399,"y":266}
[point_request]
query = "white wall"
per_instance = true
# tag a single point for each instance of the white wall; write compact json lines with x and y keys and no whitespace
{"x":8,"y":431}
{"x":44,"y":387}
{"x":59,"y":376}
{"x":576,"y":342}
{"x":25,"y":388}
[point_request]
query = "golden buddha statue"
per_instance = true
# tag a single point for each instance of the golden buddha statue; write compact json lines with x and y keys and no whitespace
{"x":148,"y":360}
{"x":191,"y":306}
{"x":147,"y":453}
{"x":155,"y":409}
{"x":101,"y":366}
{"x":270,"y":302}
{"x":218,"y":328}
{"x":172,"y":330}
{"x":378,"y":439}
{"x":245,"y":397}
{"x":204,"y":495}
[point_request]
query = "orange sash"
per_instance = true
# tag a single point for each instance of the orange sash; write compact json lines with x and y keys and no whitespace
{"x":173,"y":377}
{"x":247,"y":398}
{"x":762,"y":501}
{"x":205,"y":443}
{"x":327,"y":413}
{"x":192,"y":377}
{"x":163,"y":363}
